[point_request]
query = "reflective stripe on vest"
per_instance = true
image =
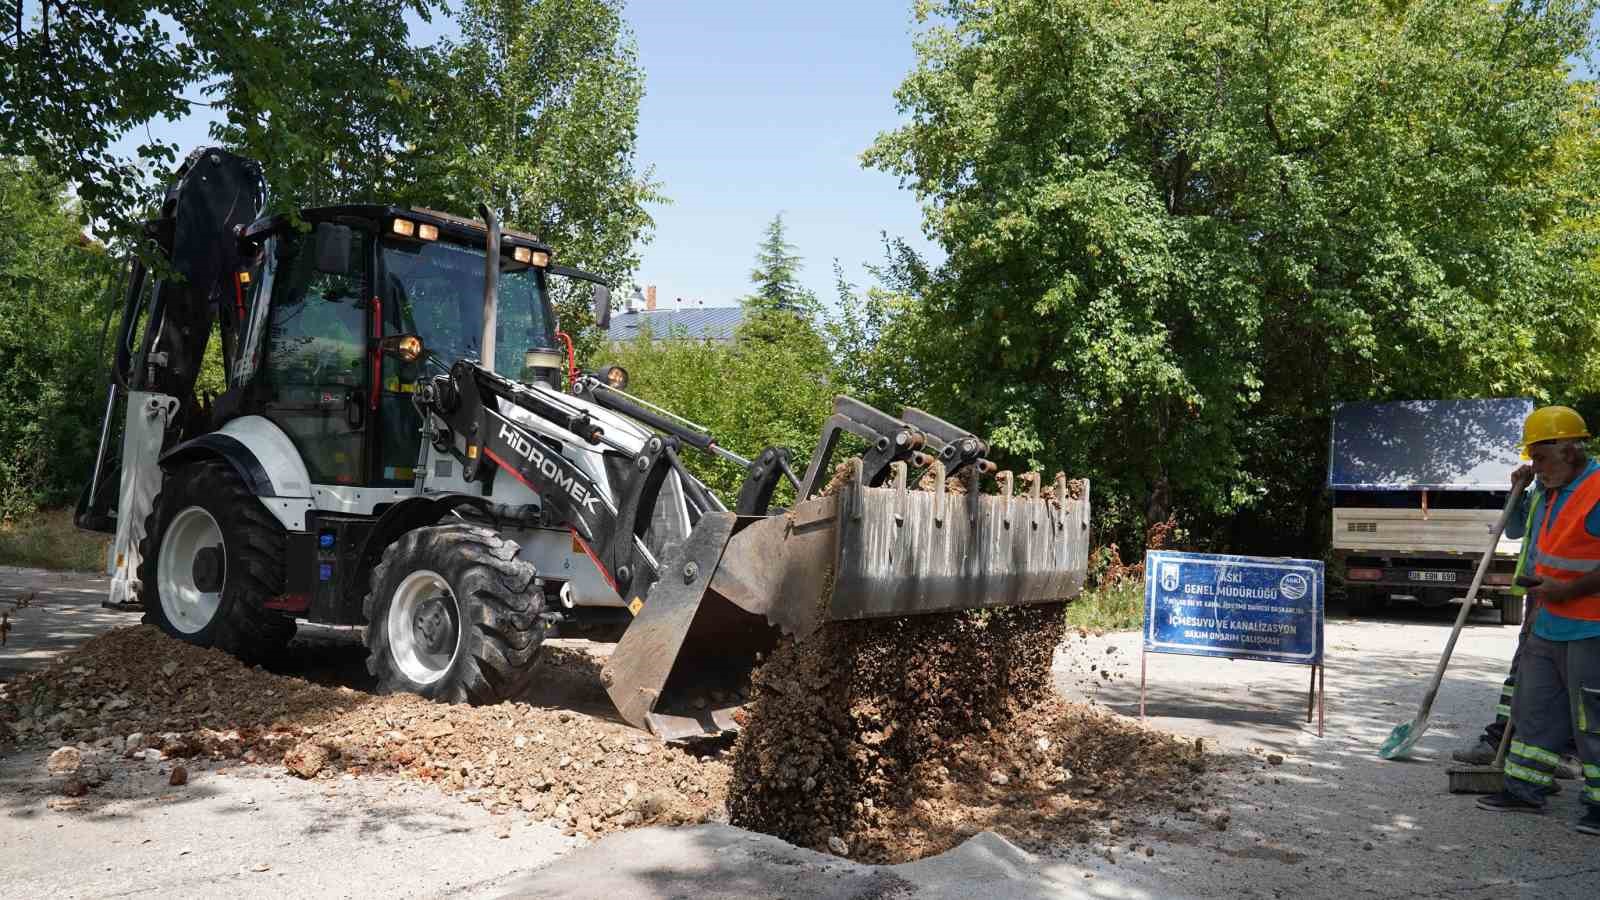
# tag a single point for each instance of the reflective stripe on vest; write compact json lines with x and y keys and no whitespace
{"x":1568,"y":551}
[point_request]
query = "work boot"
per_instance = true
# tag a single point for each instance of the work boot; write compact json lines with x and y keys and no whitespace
{"x":1505,"y":801}
{"x":1590,"y":823}
{"x":1569,"y":769}
{"x":1480,"y":754}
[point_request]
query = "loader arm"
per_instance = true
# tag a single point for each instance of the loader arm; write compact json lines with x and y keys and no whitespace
{"x":463,"y":403}
{"x":716,"y":602}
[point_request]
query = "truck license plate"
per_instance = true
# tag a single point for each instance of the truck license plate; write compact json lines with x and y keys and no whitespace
{"x":1448,"y":577}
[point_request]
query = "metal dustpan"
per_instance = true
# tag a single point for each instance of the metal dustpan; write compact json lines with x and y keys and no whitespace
{"x":737,"y":583}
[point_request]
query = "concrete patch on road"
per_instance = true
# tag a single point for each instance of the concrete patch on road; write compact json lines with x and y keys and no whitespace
{"x":251,"y":832}
{"x":720,"y":861}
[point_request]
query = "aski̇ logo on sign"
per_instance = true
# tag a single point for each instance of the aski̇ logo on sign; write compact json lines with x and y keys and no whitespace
{"x":1169,"y":577}
{"x":547,"y":467}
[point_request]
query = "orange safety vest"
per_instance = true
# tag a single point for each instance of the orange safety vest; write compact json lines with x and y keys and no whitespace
{"x":1568,"y":551}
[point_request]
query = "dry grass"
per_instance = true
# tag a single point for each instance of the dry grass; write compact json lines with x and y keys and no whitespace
{"x":47,"y":539}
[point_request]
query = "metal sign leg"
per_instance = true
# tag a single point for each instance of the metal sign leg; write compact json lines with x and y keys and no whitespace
{"x":1142,"y":662}
{"x":1318,"y":695}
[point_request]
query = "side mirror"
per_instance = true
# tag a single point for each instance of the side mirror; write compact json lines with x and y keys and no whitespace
{"x":332,"y":248}
{"x":602,"y":305}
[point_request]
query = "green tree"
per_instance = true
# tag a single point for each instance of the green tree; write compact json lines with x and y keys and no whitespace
{"x":314,"y":90}
{"x":749,"y":394}
{"x":777,"y":275}
{"x":53,"y":309}
{"x":1177,"y":233}
{"x":535,"y":111}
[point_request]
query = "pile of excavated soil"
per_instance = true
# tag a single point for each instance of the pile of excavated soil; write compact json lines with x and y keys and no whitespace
{"x":892,"y":740}
{"x":135,"y":692}
{"x":896,"y":739}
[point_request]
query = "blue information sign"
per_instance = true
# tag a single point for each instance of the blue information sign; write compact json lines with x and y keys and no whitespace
{"x":1241,"y":607}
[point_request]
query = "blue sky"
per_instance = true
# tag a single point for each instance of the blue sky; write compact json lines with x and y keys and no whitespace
{"x":751,"y":109}
{"x":762,"y":107}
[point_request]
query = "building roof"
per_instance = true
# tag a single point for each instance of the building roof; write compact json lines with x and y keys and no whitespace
{"x":715,"y":323}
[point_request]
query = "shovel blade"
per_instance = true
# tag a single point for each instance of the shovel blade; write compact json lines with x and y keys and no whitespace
{"x":1400,"y":741}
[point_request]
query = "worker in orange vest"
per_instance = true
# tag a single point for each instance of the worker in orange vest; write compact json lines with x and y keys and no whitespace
{"x":1558,"y":680}
{"x":1487,"y":748}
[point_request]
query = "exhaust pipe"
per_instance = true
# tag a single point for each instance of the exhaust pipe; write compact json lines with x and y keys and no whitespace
{"x":491,"y":286}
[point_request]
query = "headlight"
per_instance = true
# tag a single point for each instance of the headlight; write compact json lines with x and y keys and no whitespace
{"x":615,"y":376}
{"x":530,"y":256}
{"x":403,"y":227}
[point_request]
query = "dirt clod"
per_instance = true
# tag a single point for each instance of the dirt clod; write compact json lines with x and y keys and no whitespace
{"x":306,"y":759}
{"x":179,"y":776}
{"x":64,"y":761}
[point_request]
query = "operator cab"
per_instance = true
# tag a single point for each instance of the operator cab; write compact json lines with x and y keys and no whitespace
{"x":317,"y":302}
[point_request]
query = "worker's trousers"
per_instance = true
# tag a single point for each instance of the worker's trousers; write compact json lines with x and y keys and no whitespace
{"x":1508,"y":689}
{"x":1557,"y":700}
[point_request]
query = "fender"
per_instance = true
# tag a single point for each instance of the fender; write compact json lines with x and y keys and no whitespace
{"x":413,"y":513}
{"x":265,"y":459}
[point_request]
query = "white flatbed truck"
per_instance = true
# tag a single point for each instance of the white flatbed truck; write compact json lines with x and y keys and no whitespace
{"x":1417,"y":488}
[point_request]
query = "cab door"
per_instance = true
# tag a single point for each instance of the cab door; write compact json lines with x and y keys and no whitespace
{"x":315,"y":374}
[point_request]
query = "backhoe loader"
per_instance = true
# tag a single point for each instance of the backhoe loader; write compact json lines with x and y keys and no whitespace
{"x":403,"y":445}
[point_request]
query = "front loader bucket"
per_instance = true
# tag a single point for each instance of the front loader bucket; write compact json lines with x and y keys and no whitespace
{"x":864,"y":552}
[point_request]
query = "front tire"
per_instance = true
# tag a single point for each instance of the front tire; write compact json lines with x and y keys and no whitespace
{"x":212,"y":556}
{"x":454,"y":615}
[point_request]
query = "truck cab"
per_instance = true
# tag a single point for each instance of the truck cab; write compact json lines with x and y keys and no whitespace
{"x":1417,"y":488}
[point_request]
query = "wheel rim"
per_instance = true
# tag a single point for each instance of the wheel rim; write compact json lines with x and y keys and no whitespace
{"x":188,"y":608}
{"x":424,"y":626}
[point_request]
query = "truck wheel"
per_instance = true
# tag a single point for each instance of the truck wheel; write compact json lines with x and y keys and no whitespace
{"x":454,"y":615}
{"x":212,"y":557}
{"x":1510,"y":610}
{"x":1360,"y":601}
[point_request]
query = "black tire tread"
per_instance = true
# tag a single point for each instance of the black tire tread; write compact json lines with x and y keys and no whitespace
{"x":501,"y":607}
{"x":255,"y":566}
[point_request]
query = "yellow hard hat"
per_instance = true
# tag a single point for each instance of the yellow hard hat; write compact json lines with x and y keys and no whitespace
{"x":1552,"y":423}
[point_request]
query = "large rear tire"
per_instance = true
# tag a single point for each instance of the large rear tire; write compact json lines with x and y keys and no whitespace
{"x":211,"y":557}
{"x":454,"y":615}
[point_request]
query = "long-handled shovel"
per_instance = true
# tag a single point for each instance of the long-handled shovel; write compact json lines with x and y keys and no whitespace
{"x":1405,"y":736}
